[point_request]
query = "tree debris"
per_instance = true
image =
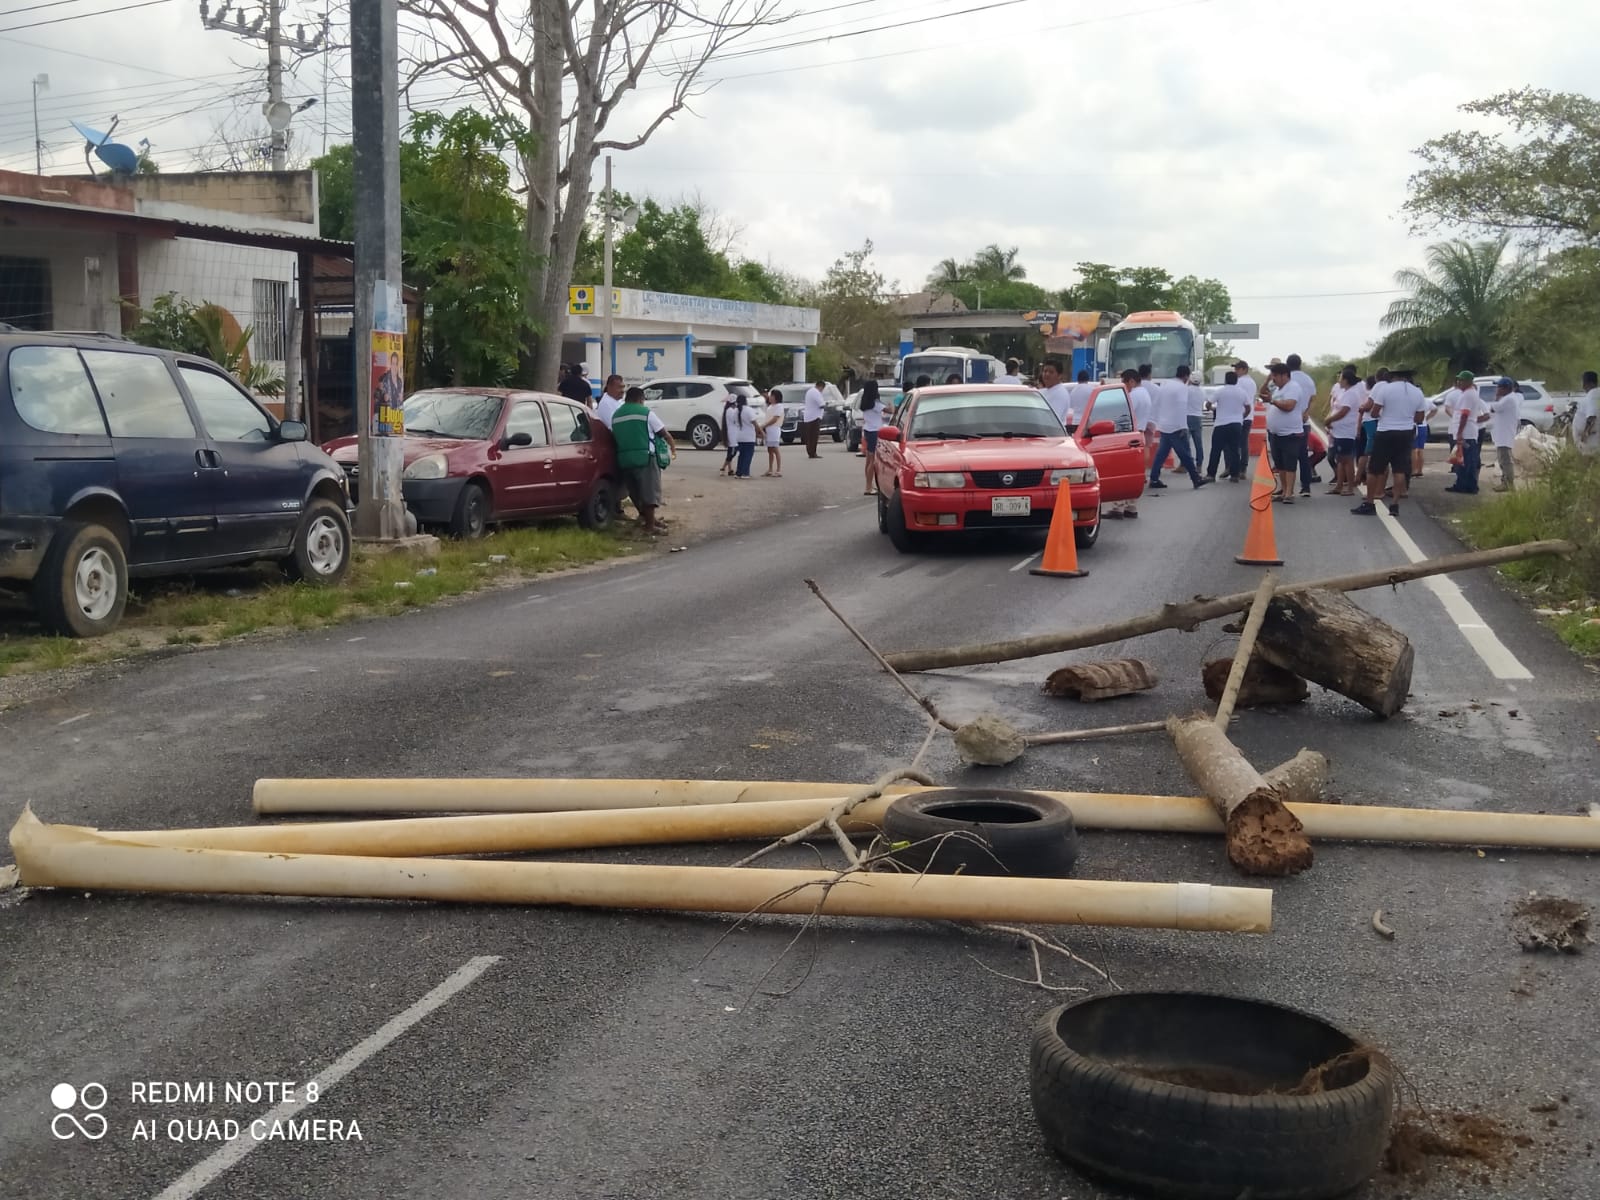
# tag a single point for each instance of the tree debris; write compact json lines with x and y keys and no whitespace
{"x":1101,"y":680}
{"x":1302,"y":779}
{"x":1326,"y":638}
{"x":1550,"y":923}
{"x":1264,"y":684}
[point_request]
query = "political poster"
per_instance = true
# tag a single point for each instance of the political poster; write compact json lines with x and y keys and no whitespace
{"x":388,"y":359}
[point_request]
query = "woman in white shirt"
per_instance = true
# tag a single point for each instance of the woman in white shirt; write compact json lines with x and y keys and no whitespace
{"x":742,"y":435}
{"x":871,"y":423}
{"x":772,"y":433}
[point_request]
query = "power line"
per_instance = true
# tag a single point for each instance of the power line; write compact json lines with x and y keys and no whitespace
{"x":99,"y":12}
{"x":154,"y":85}
{"x":752,"y":51}
{"x":110,"y":62}
{"x":12,"y":12}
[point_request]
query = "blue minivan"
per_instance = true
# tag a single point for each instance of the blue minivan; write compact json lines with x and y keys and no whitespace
{"x":120,"y":461}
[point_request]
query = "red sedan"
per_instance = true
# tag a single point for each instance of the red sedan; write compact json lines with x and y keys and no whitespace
{"x":969,"y":458}
{"x":476,"y":456}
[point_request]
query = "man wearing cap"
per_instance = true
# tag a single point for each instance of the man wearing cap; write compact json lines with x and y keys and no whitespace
{"x":1465,"y":412}
{"x":1505,"y":414}
{"x":1398,"y":405}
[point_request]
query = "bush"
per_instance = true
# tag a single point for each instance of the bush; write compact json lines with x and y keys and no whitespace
{"x":1564,"y":502}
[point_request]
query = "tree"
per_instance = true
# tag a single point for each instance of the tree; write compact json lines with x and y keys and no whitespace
{"x":1458,"y":306}
{"x":562,"y":69}
{"x":992,"y":264}
{"x":1123,"y":290}
{"x":946,"y":275}
{"x":1543,"y":182}
{"x":857,"y":318}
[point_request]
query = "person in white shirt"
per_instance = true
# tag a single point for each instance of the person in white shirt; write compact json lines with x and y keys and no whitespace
{"x":871,"y":422}
{"x":1308,"y":387}
{"x":1586,"y":421}
{"x":1465,"y":424}
{"x":1012,"y":375}
{"x":1140,"y":405}
{"x":1398,"y":406}
{"x":1055,"y":392}
{"x":610,"y":400}
{"x":1080,"y":396}
{"x":1230,"y":403}
{"x":1286,"y":430}
{"x":742,"y":434}
{"x":1172,"y":424}
{"x":1505,"y":414}
{"x":1344,"y":427}
{"x":772,"y":433}
{"x":811,"y":418}
{"x":1197,"y":424}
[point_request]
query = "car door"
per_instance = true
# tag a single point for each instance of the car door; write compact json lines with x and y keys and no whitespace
{"x":572,"y":444}
{"x":164,"y":465}
{"x":259,"y":490}
{"x":522,"y":478}
{"x":1118,"y":451}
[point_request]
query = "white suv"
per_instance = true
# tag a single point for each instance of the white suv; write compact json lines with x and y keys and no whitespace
{"x":691,"y":405}
{"x":1538,"y":409}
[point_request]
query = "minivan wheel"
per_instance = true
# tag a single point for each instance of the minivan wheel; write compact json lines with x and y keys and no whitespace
{"x":82,"y":585}
{"x":703,"y":433}
{"x":321,"y":552}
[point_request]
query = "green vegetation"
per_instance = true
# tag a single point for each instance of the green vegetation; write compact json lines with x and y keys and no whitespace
{"x":174,"y":323}
{"x":228,"y":604}
{"x":1563,"y":503}
{"x":1458,"y":309}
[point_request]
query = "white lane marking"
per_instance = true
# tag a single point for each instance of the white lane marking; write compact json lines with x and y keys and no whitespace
{"x":72,"y":720}
{"x":1501,"y":662}
{"x":207,"y":1169}
{"x":1027,"y":560}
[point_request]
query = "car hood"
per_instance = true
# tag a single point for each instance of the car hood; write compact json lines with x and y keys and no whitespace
{"x":997,"y":454}
{"x":344,"y":451}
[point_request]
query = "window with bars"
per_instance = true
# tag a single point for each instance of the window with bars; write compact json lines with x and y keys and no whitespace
{"x":270,"y":342}
{"x":25,"y":292}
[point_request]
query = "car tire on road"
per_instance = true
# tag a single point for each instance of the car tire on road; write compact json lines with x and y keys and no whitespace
{"x":599,"y":506}
{"x":900,"y":537}
{"x":883,"y":514}
{"x":853,"y":442}
{"x":983,"y":831}
{"x":703,"y":433}
{"x":471,"y":518}
{"x":81,"y":589}
{"x":1086,"y":538}
{"x":840,"y":428}
{"x":321,"y":551}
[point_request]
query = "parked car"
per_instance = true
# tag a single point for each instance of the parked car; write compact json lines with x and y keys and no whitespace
{"x":889,"y":395}
{"x":835,"y":419}
{"x":120,"y":461}
{"x":1538,"y":406}
{"x":976,"y":458}
{"x":691,"y":405}
{"x":475,"y":457}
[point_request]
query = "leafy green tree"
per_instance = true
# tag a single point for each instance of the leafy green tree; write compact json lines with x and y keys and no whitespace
{"x":857,"y":318}
{"x":1458,"y":307}
{"x":992,"y":264}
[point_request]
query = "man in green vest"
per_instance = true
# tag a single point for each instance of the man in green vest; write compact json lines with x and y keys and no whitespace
{"x":636,"y":429}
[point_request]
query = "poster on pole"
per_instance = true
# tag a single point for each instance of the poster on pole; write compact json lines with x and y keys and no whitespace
{"x":388,"y":359}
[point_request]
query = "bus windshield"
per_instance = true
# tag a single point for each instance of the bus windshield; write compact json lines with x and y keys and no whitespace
{"x":937,"y":367}
{"x":1164,"y":349}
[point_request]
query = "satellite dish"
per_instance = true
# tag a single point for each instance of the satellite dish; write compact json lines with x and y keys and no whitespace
{"x":123,"y":160}
{"x":278,"y":116}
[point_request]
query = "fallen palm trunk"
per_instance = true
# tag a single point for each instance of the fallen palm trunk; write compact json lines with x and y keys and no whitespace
{"x":1090,"y":810}
{"x":1264,"y":837}
{"x":1263,"y":683}
{"x":1101,"y":680}
{"x":71,"y":857}
{"x":1324,"y":637}
{"x":1190,"y":614}
{"x":1302,"y":779}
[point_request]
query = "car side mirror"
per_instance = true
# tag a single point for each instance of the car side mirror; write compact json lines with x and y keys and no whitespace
{"x":1102,"y":429}
{"x":888,"y":434}
{"x":292,"y":431}
{"x":516,"y":439}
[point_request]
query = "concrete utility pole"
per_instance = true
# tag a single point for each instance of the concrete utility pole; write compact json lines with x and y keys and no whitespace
{"x":267,"y":27}
{"x":41,"y":83}
{"x":375,"y":131}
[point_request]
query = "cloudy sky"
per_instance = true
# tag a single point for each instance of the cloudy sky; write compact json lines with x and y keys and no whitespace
{"x":1263,"y":142}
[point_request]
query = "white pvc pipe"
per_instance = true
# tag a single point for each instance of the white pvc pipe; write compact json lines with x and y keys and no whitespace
{"x":71,"y":857}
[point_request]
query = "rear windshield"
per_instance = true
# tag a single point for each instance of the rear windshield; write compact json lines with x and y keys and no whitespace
{"x":984,"y":414}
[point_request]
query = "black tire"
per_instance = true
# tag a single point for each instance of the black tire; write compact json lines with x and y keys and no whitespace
{"x":471,"y":518}
{"x":1086,"y":538}
{"x":853,"y":442}
{"x":1106,"y":1117}
{"x":983,"y":831}
{"x":901,"y":538}
{"x":599,"y":507}
{"x":321,"y":550}
{"x":883,"y":513}
{"x":90,"y":555}
{"x":840,"y":428}
{"x":703,"y":433}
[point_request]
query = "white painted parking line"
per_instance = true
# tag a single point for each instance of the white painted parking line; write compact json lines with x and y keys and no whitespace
{"x":1027,"y":560}
{"x":207,"y":1169}
{"x":1501,"y":662}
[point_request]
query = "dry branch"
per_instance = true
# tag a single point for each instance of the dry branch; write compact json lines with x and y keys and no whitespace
{"x":1247,"y":643}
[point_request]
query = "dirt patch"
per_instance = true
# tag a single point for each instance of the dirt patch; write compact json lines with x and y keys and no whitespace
{"x":1265,"y":838}
{"x":1550,"y":923}
{"x":1419,"y":1142}
{"x":1340,"y":1071}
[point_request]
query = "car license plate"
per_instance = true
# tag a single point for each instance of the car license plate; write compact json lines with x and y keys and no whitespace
{"x":1011,"y":506}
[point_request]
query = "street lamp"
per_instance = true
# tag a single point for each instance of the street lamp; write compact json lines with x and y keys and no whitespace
{"x":627,"y":218}
{"x":41,"y":83}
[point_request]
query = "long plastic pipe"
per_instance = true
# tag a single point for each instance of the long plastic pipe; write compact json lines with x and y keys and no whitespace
{"x":66,"y":856}
{"x":1090,"y":810}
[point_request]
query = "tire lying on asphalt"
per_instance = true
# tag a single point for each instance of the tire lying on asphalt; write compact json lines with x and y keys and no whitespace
{"x":982,"y":831}
{"x":1192,"y":1095}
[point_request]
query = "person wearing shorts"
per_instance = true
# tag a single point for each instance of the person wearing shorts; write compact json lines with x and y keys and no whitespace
{"x":1398,"y":405}
{"x":1286,"y":436}
{"x":1344,"y":426}
{"x":871,"y":423}
{"x":772,"y":434}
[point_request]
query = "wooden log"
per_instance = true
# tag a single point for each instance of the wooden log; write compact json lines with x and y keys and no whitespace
{"x":1326,"y":638}
{"x":1101,"y":680}
{"x":1263,"y":837}
{"x":1191,"y":614}
{"x":1302,"y":779}
{"x":1263,"y":683}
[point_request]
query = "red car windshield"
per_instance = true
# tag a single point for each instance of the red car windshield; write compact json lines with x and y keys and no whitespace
{"x":985,"y":414}
{"x":451,"y":415}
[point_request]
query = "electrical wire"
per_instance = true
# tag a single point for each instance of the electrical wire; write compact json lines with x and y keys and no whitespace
{"x":99,"y":12}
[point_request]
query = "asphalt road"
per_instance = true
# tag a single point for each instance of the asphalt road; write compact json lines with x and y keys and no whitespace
{"x":622,"y":1055}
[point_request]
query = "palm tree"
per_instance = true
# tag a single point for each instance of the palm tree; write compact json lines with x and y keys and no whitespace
{"x":997,"y":265}
{"x":946,"y":275}
{"x":1458,"y":307}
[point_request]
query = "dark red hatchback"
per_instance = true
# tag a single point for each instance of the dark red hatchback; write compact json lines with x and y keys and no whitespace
{"x":477,"y":456}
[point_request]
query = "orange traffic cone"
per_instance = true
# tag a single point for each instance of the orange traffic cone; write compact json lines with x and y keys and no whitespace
{"x":1260,"y":545}
{"x":1061,"y":547}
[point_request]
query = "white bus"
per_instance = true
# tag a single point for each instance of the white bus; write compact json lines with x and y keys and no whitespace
{"x":938,"y":363}
{"x":1165,"y":340}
